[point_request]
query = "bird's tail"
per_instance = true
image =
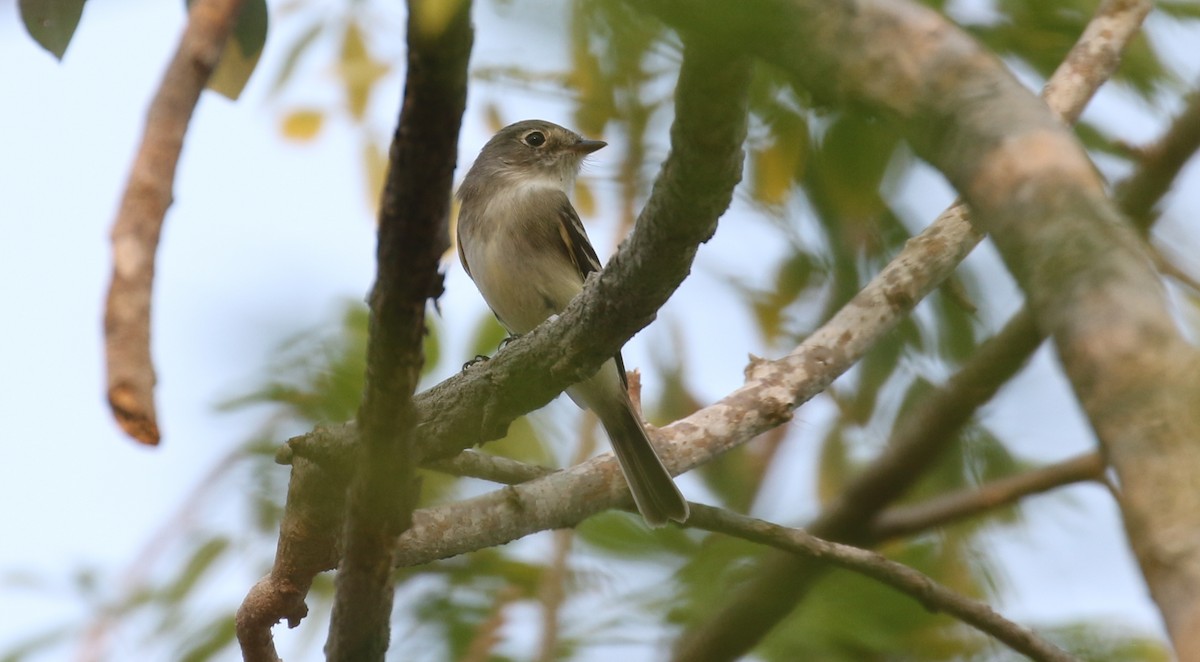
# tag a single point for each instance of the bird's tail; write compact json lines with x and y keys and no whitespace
{"x":656,"y":496}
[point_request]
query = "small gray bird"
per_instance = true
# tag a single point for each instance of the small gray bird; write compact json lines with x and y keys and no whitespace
{"x":521,"y":241}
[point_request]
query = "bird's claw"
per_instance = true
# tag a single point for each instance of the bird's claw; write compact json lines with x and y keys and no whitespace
{"x":479,"y":358}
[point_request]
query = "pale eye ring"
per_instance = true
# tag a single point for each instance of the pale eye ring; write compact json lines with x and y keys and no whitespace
{"x":535,"y":139}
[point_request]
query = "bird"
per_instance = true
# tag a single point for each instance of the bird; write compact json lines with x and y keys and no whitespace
{"x":521,"y":241}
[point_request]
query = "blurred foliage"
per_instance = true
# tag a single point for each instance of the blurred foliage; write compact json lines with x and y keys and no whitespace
{"x":827,"y":181}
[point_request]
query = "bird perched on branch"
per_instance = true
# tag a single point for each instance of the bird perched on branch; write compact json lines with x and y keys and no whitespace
{"x":522,"y":243}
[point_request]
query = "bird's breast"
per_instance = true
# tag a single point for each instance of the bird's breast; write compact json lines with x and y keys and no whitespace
{"x":520,"y":266}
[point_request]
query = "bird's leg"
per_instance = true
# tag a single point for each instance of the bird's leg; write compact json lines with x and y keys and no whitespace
{"x":511,"y":337}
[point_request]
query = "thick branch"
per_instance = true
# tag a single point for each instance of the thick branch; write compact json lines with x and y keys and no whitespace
{"x":413,"y":235}
{"x":143,"y":207}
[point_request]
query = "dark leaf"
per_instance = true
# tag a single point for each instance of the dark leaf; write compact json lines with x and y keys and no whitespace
{"x":51,"y":23}
{"x":242,"y":51}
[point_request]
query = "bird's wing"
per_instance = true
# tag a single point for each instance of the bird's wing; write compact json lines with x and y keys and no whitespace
{"x":462,"y":256}
{"x":581,"y":253}
{"x":575,"y":241}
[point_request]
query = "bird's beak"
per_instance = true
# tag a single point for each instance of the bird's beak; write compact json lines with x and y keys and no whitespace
{"x":587,"y":146}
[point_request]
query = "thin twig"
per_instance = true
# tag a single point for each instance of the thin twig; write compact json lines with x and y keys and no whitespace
{"x":920,"y":587}
{"x":144,"y":205}
{"x":1167,"y":267}
{"x":954,"y":506}
{"x":552,"y":587}
{"x":1159,"y":165}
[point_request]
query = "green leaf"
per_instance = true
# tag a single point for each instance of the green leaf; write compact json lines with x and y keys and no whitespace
{"x":1182,"y":9}
{"x":52,"y":23}
{"x":297,"y":51}
{"x":242,"y":51}
{"x":201,"y":561}
{"x":213,"y":637}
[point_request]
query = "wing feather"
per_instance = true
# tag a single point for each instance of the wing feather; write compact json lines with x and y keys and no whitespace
{"x":581,"y":253}
{"x":575,"y":241}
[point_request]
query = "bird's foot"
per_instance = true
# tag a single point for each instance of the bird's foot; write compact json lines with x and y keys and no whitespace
{"x":479,"y":358}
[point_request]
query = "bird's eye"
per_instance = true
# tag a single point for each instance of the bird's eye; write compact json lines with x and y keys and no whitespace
{"x":535,"y":139}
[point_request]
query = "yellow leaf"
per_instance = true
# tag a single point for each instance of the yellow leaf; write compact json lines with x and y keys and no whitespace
{"x":359,"y":70}
{"x":233,"y":71}
{"x":774,"y":168}
{"x":782,"y":162}
{"x":495,"y":121}
{"x":303,"y":124}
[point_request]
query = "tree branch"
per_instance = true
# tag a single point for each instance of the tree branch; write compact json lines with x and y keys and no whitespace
{"x":497,"y":469}
{"x":413,"y":235}
{"x":920,"y":587}
{"x":907,"y":520}
{"x":143,"y":207}
{"x":1159,"y":165}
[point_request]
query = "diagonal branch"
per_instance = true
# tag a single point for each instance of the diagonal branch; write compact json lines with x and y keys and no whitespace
{"x":940,"y":510}
{"x":144,"y":205}
{"x":1160,"y":164}
{"x":920,"y":587}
